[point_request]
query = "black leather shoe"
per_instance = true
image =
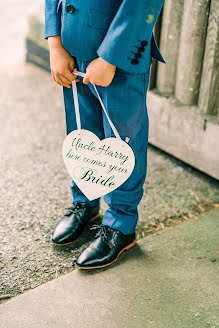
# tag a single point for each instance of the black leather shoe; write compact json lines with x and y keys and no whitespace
{"x":105,"y":249}
{"x":73,"y":223}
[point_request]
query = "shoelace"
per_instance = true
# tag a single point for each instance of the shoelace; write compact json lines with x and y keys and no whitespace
{"x":74,"y":209}
{"x":102,"y":231}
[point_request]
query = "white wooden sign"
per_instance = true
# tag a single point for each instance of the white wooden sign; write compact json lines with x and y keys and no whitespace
{"x":97,"y":166}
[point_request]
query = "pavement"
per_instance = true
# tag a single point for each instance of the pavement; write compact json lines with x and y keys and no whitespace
{"x":169,"y":279}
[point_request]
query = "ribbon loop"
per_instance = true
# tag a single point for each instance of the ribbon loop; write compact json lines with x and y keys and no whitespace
{"x":77,"y":112}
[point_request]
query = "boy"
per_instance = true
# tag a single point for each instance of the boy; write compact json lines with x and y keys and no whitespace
{"x":112,"y":41}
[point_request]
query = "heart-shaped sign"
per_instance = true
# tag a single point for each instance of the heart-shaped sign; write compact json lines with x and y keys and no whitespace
{"x":97,"y":166}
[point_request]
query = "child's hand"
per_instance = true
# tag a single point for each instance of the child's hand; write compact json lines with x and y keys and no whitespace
{"x":99,"y":72}
{"x":61,"y":63}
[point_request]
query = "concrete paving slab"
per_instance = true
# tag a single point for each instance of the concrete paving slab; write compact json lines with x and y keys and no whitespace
{"x":170,"y":279}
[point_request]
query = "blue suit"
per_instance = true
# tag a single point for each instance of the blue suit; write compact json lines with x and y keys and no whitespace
{"x":121,"y":32}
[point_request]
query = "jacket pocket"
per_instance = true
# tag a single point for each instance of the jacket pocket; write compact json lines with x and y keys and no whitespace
{"x":59,"y":5}
{"x":100,"y":19}
{"x":155,"y":51}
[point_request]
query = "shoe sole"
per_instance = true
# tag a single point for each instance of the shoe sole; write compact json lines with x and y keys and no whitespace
{"x":102,"y":266}
{"x":92,"y":219}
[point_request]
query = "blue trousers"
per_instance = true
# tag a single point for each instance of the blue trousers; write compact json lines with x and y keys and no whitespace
{"x":125,"y":102}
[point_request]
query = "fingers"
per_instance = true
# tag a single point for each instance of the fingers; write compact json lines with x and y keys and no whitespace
{"x":64,"y":79}
{"x":86,"y":79}
{"x":70,"y":76}
{"x":60,"y":82}
{"x":67,"y":76}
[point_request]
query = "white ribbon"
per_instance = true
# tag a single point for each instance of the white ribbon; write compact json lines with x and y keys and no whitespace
{"x":77,"y":112}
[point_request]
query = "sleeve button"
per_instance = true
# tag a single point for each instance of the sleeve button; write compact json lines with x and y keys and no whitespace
{"x":138,"y":55}
{"x":144,"y":43}
{"x":134,"y":61}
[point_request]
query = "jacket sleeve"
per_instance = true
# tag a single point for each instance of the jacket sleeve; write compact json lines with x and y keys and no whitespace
{"x":127,"y":43}
{"x":52,"y":18}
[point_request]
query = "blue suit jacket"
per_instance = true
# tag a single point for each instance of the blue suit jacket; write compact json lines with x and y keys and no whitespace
{"x":119,"y":31}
